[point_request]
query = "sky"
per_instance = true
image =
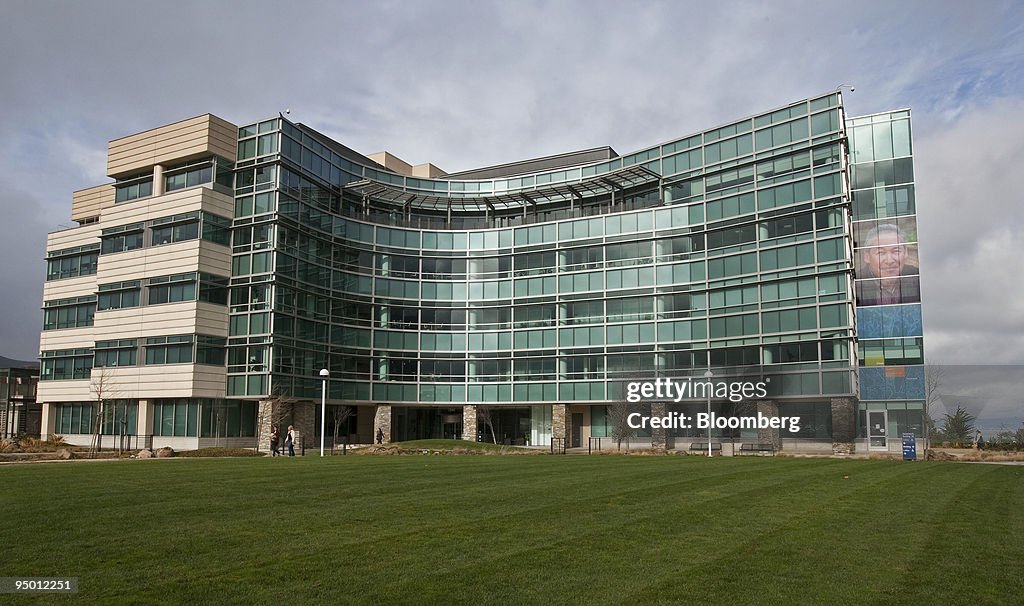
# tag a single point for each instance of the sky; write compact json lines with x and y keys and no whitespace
{"x":471,"y":84}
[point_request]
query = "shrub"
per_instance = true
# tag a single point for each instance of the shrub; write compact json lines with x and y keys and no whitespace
{"x":33,"y":445}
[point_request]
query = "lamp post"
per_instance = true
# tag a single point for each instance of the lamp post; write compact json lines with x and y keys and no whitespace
{"x":707,"y":376}
{"x":324,"y":375}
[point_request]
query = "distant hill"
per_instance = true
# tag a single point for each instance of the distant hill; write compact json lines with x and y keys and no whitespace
{"x":9,"y":363}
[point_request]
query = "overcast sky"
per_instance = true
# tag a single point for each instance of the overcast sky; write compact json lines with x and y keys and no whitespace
{"x":470,"y":84}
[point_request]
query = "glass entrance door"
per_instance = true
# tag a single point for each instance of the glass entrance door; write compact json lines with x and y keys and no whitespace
{"x":878,"y":421}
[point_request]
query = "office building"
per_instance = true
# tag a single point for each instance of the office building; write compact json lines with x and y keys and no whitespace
{"x":207,"y":286}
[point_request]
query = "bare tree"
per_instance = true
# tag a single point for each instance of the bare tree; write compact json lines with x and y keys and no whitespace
{"x":618,"y":421}
{"x":340,"y":414}
{"x":484,"y":416}
{"x":933,"y":377}
{"x":105,"y":394}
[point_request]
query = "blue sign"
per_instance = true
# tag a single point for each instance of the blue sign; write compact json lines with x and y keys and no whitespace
{"x":909,"y":447}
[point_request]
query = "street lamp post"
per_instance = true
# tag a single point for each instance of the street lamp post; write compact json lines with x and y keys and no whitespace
{"x":324,"y":375}
{"x":707,"y":376}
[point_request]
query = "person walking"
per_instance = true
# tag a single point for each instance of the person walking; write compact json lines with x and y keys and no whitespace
{"x":289,"y":441}
{"x":275,"y":438}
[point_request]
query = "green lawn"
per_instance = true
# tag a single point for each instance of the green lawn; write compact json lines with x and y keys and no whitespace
{"x":517,"y":530}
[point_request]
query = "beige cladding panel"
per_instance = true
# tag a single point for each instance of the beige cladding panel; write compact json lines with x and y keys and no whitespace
{"x":143,"y":382}
{"x":209,"y":381}
{"x":391,"y":162}
{"x":163,"y":260}
{"x":76,"y":236}
{"x":147,"y":321}
{"x":67,"y":338}
{"x":167,"y":259}
{"x":182,"y":201}
{"x":69,"y":287}
{"x":64,"y":391}
{"x":212,"y":320}
{"x":184,"y":140}
{"x":88,"y":203}
{"x":162,"y":381}
{"x":159,"y":320}
{"x":427,"y":171}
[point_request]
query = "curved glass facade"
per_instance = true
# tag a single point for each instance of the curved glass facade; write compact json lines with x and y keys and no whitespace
{"x":730,"y":248}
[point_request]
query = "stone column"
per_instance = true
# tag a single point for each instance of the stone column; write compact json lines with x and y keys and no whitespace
{"x":560,"y":424}
{"x":382,"y":423}
{"x":768,"y":435}
{"x":469,"y":423}
{"x":659,"y":435}
{"x":304,"y":420}
{"x":268,"y":414}
{"x":844,"y":425}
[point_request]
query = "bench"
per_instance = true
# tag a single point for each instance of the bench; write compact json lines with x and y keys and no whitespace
{"x":703,"y":447}
{"x":757,"y":448}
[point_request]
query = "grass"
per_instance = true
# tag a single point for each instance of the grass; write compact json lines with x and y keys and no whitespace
{"x":517,"y":530}
{"x":219,"y":452}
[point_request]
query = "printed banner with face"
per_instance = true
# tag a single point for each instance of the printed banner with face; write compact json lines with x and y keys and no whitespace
{"x":886,"y":262}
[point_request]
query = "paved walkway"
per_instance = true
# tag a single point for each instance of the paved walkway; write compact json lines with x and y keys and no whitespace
{"x":995,"y":462}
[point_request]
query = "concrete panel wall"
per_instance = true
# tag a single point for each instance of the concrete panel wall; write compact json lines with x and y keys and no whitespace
{"x":64,"y":391}
{"x":173,"y":143}
{"x":88,"y":203}
{"x":176,"y":202}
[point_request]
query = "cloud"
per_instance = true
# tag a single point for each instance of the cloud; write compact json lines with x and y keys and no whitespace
{"x":971,"y":226}
{"x":467,"y":84}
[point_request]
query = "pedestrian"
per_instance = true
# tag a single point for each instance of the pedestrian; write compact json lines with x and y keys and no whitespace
{"x":380,"y":435}
{"x":275,"y":438}
{"x":289,"y":441}
{"x":979,"y":441}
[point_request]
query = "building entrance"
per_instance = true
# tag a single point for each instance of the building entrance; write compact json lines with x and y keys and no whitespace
{"x":877,"y":423}
{"x":422,"y":423}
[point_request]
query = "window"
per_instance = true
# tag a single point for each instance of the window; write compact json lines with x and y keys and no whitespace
{"x":175,"y":417}
{"x":133,"y":188}
{"x":535,"y":263}
{"x":116,"y":353}
{"x":177,"y":228}
{"x":72,"y":262}
{"x":172,"y":289}
{"x":634,"y":308}
{"x":227,"y":419}
{"x":69,"y":313}
{"x":210,"y":350}
{"x":217,"y":229}
{"x":731,"y":236}
{"x":189,"y":175}
{"x":787,"y":226}
{"x":535,"y":315}
{"x":119,"y":295}
{"x":74,"y":418}
{"x":65,"y":364}
{"x":169,"y":350}
{"x":629,"y":253}
{"x":214,"y":289}
{"x":121,"y":238}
